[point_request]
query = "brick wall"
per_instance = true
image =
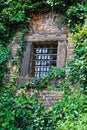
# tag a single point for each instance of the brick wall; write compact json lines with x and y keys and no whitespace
{"x":48,"y":98}
{"x":70,"y":47}
{"x":14,"y":46}
{"x":46,"y":27}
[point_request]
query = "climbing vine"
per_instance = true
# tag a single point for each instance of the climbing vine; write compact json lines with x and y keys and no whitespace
{"x":23,"y":111}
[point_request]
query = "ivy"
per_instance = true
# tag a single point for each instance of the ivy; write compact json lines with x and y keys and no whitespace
{"x":21,"y":111}
{"x":44,"y":82}
{"x":79,"y":64}
{"x":3,"y":53}
{"x":13,"y":15}
{"x":74,"y":11}
{"x":3,"y":58}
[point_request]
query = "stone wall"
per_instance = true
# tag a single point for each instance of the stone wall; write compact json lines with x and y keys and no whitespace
{"x":48,"y":98}
{"x":45,"y":27}
{"x":70,"y":47}
{"x":14,"y":46}
{"x":48,"y":27}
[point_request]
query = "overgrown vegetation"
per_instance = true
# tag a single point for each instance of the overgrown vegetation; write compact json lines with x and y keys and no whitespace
{"x":14,"y":15}
{"x":21,"y":111}
{"x":44,"y":82}
{"x":78,"y":65}
{"x":75,"y":11}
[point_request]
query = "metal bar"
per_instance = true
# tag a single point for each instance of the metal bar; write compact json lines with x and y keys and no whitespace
{"x":46,"y":48}
{"x":44,"y":57}
{"x":44,"y":54}
{"x":44,"y":60}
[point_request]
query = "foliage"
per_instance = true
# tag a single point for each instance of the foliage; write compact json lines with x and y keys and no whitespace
{"x":6,"y":105}
{"x":21,"y":111}
{"x":75,"y":11}
{"x":69,"y":110}
{"x":54,"y":73}
{"x":4,"y":54}
{"x":78,"y":65}
{"x":13,"y":15}
{"x":63,"y":5}
{"x":76,"y":14}
{"x":79,"y":123}
{"x":29,"y":114}
{"x":3,"y":57}
{"x":17,"y":13}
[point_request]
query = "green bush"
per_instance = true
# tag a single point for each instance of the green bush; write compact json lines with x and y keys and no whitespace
{"x":79,"y":123}
{"x":44,"y":82}
{"x":23,"y":111}
{"x":14,"y":15}
{"x":3,"y":58}
{"x":76,"y":14}
{"x":74,"y":11}
{"x":19,"y":110}
{"x":78,"y":65}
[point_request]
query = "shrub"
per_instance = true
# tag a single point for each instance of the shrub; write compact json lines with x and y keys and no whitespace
{"x":78,"y":65}
{"x":3,"y":57}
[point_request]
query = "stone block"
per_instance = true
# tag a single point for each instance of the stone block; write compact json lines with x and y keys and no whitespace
{"x":61,"y":54}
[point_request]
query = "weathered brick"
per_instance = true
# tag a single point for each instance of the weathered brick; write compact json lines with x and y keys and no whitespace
{"x":45,"y":27}
{"x":48,"y":97}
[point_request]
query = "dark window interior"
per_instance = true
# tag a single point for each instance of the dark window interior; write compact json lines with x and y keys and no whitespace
{"x":44,"y":55}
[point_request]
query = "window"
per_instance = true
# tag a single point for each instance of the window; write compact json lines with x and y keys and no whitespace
{"x":38,"y":57}
{"x":44,"y":55}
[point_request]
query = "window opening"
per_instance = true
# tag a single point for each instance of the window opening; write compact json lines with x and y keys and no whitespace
{"x":44,"y":56}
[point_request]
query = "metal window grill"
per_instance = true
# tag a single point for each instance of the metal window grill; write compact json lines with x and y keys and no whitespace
{"x":44,"y":56}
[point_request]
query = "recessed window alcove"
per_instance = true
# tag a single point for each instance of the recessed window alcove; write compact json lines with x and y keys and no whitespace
{"x":43,"y":57}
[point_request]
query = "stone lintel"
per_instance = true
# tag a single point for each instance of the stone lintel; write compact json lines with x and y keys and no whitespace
{"x":46,"y":38}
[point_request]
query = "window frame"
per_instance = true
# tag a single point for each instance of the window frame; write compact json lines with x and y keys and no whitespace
{"x":24,"y":71}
